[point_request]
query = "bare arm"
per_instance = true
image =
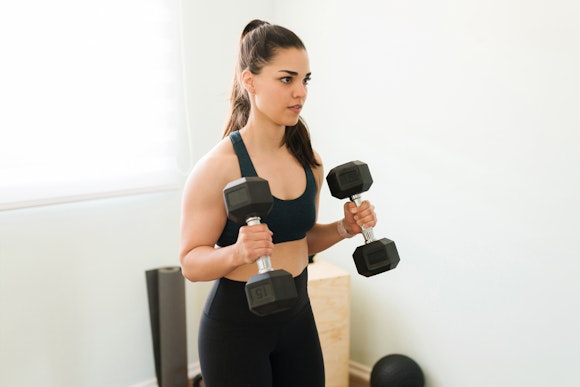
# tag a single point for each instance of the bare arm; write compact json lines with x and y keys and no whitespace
{"x":203,"y":218}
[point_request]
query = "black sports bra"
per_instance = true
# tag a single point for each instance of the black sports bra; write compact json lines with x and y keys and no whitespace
{"x":289,"y":220}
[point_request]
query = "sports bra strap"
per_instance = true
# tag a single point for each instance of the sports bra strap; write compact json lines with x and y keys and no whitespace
{"x":246,"y":167}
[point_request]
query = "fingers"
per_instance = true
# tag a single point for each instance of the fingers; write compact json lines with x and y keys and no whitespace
{"x":361,"y":216}
{"x":253,"y":242}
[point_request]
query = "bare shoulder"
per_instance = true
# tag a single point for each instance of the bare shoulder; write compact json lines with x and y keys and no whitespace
{"x":215,"y":169}
{"x":203,"y":191}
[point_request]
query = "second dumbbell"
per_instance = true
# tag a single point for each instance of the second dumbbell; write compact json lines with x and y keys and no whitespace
{"x":375,"y":256}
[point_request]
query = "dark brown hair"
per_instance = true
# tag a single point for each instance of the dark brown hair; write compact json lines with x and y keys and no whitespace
{"x":259,"y":43}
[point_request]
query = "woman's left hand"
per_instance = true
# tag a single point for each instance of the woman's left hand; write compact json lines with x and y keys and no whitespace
{"x":357,"y":216}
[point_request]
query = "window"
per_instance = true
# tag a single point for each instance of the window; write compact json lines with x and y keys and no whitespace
{"x":91,"y":99}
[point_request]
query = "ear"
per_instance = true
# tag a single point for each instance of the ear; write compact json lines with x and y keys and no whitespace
{"x":248,"y":81}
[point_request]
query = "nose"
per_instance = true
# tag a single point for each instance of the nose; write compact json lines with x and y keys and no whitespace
{"x":300,"y":90}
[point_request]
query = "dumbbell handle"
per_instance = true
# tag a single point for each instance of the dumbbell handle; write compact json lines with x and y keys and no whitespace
{"x":264,"y":263}
{"x":368,"y":233}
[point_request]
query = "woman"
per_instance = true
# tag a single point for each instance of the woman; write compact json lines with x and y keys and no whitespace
{"x":264,"y":136}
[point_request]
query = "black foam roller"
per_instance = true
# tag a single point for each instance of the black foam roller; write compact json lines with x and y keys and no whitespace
{"x":166,"y":292}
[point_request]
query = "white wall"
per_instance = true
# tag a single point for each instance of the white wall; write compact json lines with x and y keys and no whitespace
{"x":467,"y":113}
{"x":73,"y":301}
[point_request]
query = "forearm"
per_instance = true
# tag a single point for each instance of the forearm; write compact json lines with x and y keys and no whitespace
{"x":206,"y":263}
{"x":323,"y":236}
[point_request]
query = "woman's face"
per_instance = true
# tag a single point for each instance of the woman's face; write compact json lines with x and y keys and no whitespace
{"x":280,"y":89}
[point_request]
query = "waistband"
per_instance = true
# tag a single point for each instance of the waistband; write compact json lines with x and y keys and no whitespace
{"x":227,"y":302}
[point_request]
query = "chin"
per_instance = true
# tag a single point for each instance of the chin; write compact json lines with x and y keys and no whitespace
{"x":292,"y":122}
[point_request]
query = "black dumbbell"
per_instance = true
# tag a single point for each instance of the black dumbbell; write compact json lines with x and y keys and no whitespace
{"x":248,"y":199}
{"x":375,"y":256}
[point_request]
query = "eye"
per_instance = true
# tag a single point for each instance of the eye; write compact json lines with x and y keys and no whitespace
{"x":307,"y":80}
{"x":286,"y":80}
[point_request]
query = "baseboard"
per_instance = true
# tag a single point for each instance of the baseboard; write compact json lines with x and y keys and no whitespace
{"x":359,"y":374}
{"x":192,"y":370}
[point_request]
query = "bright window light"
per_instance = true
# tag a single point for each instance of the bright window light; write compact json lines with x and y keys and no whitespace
{"x":91,"y":99}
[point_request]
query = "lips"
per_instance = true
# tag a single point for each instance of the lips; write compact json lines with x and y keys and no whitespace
{"x":296,"y":108}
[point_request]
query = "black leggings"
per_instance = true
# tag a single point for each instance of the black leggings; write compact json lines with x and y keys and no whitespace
{"x":238,"y":348}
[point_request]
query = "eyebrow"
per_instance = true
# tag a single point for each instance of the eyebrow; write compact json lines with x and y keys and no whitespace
{"x":294,"y":73}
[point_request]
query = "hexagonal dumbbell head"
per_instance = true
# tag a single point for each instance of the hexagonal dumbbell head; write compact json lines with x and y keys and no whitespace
{"x":247,"y":197}
{"x":376,"y":257}
{"x":349,"y":179}
{"x":271,"y":292}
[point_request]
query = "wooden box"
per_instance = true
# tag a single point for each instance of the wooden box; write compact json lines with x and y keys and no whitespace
{"x":329,"y":290}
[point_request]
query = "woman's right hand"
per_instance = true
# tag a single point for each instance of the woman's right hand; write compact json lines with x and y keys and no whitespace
{"x":253,"y":242}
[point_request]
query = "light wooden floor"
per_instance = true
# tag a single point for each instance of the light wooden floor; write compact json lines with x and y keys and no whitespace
{"x":356,"y":382}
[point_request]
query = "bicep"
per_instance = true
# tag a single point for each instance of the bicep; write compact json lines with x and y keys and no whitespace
{"x":203,"y":213}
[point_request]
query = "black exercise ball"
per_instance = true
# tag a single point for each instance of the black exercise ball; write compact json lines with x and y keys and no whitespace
{"x":397,"y":371}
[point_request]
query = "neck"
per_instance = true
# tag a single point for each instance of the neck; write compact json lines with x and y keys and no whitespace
{"x":263,"y":135}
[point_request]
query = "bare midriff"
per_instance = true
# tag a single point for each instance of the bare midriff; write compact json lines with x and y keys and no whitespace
{"x":289,"y":256}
